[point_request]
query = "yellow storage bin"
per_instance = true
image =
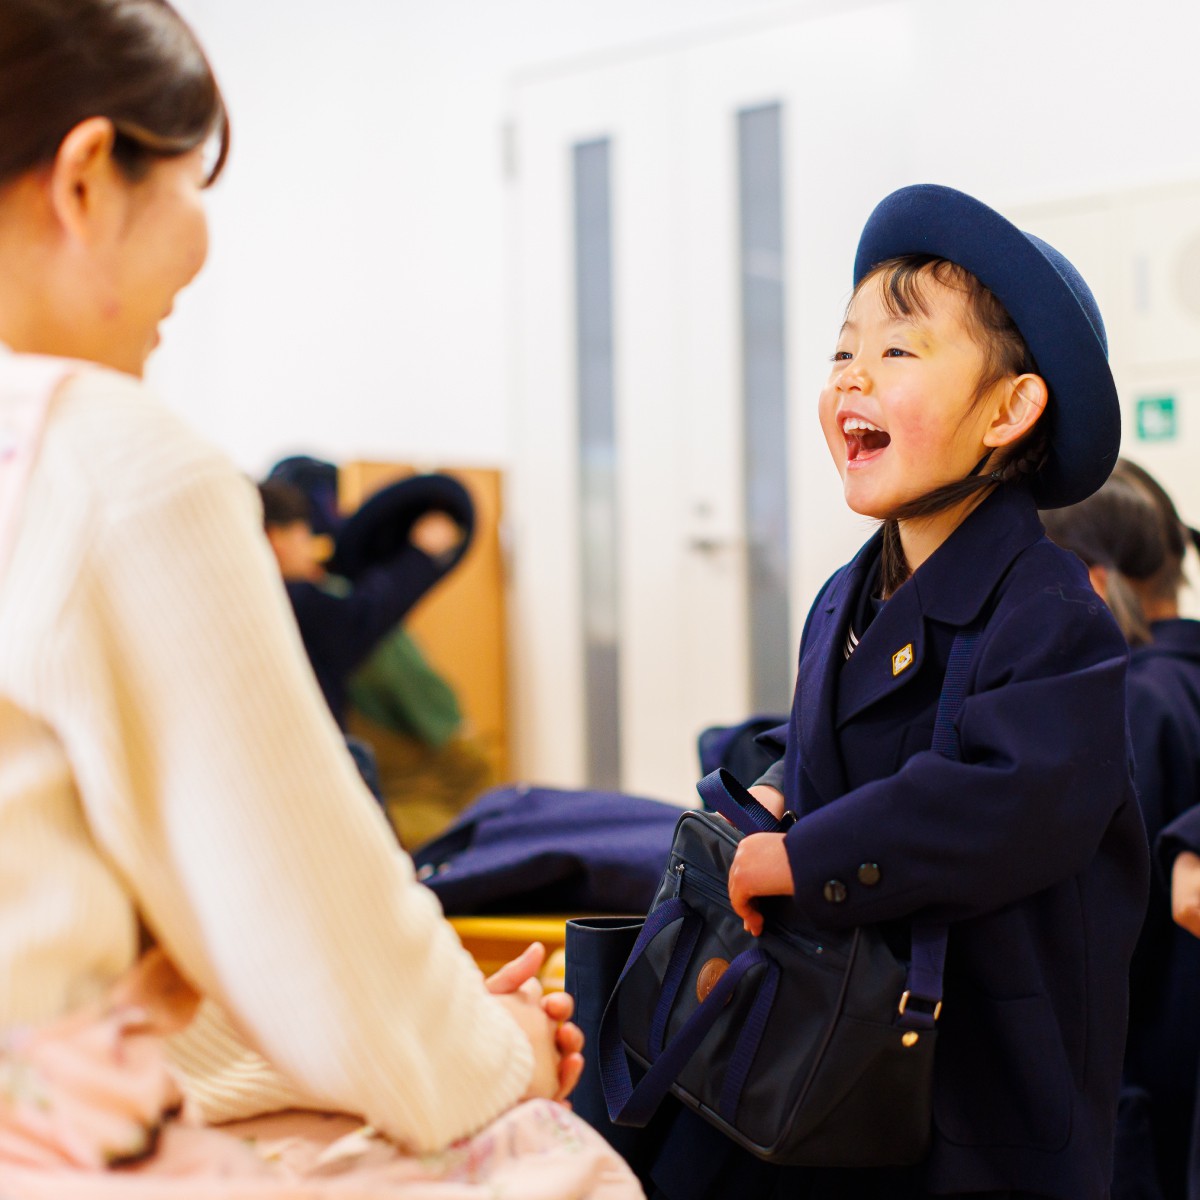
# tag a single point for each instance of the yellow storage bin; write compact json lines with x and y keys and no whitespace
{"x":493,"y":941}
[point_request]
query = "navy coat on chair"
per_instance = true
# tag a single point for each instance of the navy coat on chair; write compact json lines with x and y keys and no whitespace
{"x":1032,"y":847}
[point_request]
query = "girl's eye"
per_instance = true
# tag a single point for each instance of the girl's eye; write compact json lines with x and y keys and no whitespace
{"x":842,"y":356}
{"x":896,"y":352}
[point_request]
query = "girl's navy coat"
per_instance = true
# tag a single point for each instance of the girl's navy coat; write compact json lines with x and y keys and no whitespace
{"x":1032,"y":846}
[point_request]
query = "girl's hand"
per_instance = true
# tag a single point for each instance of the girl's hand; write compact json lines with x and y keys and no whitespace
{"x":760,"y":868}
{"x":520,"y":976}
{"x":1185,"y":891}
{"x":770,"y":798}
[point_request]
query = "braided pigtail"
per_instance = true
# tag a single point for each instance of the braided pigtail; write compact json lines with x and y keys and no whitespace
{"x":1027,"y":458}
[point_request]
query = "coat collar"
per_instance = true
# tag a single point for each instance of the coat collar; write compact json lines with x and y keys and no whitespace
{"x":952,"y":587}
{"x":1178,"y":638}
{"x":955,"y":582}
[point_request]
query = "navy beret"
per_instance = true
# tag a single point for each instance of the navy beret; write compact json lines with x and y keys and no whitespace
{"x":1049,"y":303}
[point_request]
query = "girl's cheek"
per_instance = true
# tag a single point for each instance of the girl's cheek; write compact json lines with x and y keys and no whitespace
{"x":827,"y":411}
{"x":827,"y":403}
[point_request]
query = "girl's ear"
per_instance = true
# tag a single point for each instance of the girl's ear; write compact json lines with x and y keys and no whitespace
{"x":82,"y":184}
{"x":1021,"y":401}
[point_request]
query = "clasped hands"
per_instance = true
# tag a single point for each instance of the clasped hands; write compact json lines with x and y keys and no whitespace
{"x":546,"y":1020}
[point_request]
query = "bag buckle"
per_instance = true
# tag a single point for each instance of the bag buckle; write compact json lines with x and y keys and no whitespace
{"x":937,"y":1004}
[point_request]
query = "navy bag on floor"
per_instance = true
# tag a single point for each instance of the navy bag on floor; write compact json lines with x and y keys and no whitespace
{"x":523,"y":849}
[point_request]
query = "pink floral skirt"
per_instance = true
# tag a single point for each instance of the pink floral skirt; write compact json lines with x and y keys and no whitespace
{"x":90,"y":1111}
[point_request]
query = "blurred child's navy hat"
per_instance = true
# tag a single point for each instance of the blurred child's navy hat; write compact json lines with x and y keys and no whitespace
{"x":1049,"y":303}
{"x":318,"y":480}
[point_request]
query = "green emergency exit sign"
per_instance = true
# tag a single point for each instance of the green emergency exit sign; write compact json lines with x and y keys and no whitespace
{"x":1157,"y":419}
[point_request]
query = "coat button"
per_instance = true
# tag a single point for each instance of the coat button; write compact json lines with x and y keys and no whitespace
{"x":835,"y":891}
{"x":869,"y":874}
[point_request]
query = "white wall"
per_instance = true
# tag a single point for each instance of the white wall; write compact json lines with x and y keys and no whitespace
{"x":355,"y":301}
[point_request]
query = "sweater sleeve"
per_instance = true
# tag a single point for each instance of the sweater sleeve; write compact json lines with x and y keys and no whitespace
{"x":260,"y":862}
{"x":773,"y":776}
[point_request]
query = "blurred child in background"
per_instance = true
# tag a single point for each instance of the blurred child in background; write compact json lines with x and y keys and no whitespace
{"x":1133,"y":543}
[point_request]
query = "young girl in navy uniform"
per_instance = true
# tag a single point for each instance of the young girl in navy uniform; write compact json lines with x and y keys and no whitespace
{"x":969,"y":385}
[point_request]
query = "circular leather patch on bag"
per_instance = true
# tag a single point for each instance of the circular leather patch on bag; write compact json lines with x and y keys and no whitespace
{"x":710,"y":975}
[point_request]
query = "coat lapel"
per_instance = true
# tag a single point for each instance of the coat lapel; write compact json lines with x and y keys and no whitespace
{"x":888,"y":656}
{"x":952,"y":588}
{"x":817,"y":687}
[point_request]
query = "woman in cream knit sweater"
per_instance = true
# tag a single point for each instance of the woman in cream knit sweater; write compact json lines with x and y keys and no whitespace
{"x":168,"y":768}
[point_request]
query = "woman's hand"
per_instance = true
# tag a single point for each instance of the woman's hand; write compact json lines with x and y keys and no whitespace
{"x":1185,"y":891}
{"x":541,"y":1032}
{"x":519,"y":977}
{"x":760,"y":868}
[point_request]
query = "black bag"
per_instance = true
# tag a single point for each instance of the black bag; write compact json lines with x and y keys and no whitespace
{"x":805,"y":1046}
{"x":596,"y":949}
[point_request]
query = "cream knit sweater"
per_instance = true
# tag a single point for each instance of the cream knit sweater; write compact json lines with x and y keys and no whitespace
{"x":166,"y":757}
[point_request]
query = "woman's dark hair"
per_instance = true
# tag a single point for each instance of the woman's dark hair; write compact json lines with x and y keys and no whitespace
{"x":1005,"y":355}
{"x":1165,"y":583}
{"x":1119,"y":528}
{"x":135,"y":62}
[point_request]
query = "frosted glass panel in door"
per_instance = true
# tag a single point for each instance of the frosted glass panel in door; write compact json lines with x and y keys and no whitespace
{"x":597,"y":461}
{"x":764,"y":403}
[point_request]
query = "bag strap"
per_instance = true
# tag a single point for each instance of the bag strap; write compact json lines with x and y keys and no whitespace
{"x":928,"y":962}
{"x":28,"y":385}
{"x":921,"y":1002}
{"x":722,"y":793}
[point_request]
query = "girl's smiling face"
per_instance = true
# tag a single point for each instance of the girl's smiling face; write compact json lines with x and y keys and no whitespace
{"x":900,"y":412}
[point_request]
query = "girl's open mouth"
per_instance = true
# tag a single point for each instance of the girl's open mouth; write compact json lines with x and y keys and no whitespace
{"x":863,"y":440}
